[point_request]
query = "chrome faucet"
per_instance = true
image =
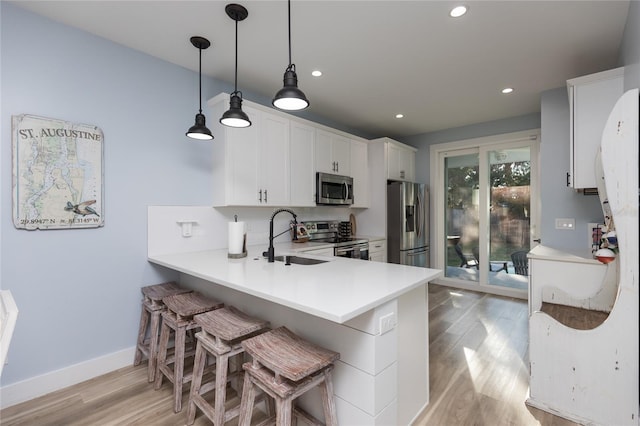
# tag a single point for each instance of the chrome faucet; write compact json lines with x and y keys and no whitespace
{"x":270,"y":251}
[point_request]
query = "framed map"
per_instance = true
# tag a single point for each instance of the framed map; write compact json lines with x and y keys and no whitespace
{"x":57,"y":174}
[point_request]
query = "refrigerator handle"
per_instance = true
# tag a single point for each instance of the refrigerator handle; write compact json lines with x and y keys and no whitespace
{"x":419,"y":217}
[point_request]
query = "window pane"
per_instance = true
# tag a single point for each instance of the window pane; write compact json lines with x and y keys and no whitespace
{"x":461,"y":216}
{"x":510,"y":179}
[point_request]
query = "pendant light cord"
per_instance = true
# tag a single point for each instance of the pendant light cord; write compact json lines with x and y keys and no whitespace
{"x":200,"y":82}
{"x":289,"y":19}
{"x":235,"y":84}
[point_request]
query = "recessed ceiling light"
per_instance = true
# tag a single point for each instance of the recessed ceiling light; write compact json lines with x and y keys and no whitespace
{"x":399,"y":115}
{"x":507,"y":90}
{"x":316,"y":73}
{"x":458,"y":11}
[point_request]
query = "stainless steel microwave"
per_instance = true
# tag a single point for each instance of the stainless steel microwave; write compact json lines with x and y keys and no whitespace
{"x":333,"y":189}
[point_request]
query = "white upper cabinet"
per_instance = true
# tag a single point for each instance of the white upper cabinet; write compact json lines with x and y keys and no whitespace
{"x":273,"y":164}
{"x":251,"y":165}
{"x":303,"y":188}
{"x":360,"y":173}
{"x":591,"y":98}
{"x":274,"y":161}
{"x":401,"y":161}
{"x":333,"y":153}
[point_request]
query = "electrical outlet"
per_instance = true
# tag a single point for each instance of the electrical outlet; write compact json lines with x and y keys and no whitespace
{"x":388,"y":322}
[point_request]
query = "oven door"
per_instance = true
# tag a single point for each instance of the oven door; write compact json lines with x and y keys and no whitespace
{"x":356,"y":251}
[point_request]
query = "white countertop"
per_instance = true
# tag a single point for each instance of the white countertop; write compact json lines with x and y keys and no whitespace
{"x":337,"y":290}
{"x":549,"y":253}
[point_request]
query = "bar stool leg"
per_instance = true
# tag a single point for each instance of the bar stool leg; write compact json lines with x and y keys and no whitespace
{"x":247,"y":401}
{"x":142,"y":330}
{"x":328,"y":403}
{"x":284,"y":410}
{"x":222,"y":363}
{"x":178,"y":368}
{"x":162,"y":355}
{"x":153,"y":346}
{"x":196,"y":381}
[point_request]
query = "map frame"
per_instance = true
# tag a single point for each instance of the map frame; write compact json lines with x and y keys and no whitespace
{"x":58,"y":173}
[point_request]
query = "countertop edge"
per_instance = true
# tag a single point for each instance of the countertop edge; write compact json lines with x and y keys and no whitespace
{"x":349,"y":314}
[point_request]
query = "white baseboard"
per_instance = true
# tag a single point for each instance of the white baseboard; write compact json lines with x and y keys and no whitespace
{"x":34,"y":387}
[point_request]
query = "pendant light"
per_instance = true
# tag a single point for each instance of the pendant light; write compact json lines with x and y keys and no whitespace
{"x":234,"y":116}
{"x":290,"y":98}
{"x":199,"y":130}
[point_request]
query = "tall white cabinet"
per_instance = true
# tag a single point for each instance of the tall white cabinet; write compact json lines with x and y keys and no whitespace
{"x":591,"y":98}
{"x":387,"y":158}
{"x":401,"y":161}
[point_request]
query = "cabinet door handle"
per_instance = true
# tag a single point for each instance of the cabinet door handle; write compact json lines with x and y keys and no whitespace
{"x":337,"y":166}
{"x":402,"y":174}
{"x":537,"y":240}
{"x":260,"y":195}
{"x":265,"y":195}
{"x":568,"y":179}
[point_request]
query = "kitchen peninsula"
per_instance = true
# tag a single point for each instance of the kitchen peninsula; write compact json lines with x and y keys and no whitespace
{"x":374,"y":314}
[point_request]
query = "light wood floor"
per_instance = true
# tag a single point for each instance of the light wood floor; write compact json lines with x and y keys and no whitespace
{"x":478,"y":376}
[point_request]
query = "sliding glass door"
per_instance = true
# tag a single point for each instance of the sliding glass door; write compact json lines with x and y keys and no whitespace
{"x":461,"y":214}
{"x":487,"y":211}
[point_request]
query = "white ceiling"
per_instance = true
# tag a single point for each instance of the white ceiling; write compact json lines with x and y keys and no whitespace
{"x":379,"y":58}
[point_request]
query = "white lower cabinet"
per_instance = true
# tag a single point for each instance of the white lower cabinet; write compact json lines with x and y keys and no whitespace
{"x":378,"y":250}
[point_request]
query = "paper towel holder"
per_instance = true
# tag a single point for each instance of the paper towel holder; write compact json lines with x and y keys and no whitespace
{"x":187,"y":225}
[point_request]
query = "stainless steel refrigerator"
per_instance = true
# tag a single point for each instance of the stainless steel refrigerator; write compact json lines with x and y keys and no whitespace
{"x":408,"y":223}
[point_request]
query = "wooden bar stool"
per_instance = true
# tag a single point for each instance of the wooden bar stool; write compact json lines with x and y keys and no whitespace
{"x":222,"y":332}
{"x":285,"y":367}
{"x":178,"y":318}
{"x":149,"y":329}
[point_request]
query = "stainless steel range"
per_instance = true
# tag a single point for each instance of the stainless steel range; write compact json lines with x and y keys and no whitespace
{"x":339,"y":234}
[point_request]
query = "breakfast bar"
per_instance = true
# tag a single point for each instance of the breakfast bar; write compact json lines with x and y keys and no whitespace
{"x":374,"y":314}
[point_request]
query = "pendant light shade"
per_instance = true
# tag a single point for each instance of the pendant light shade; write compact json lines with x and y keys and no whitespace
{"x":234,"y":116}
{"x":199,"y":130}
{"x":290,"y":97}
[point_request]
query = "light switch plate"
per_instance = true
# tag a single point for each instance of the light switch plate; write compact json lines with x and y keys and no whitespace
{"x":567,"y":224}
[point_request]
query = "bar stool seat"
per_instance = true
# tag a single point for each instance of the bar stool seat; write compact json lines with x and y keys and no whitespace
{"x":181,"y":308}
{"x":285,"y":366}
{"x":149,"y":329}
{"x":222,"y":332}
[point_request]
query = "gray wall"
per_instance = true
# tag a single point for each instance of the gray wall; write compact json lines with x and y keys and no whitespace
{"x":78,"y":291}
{"x":557,"y":200}
{"x":630,"y":49}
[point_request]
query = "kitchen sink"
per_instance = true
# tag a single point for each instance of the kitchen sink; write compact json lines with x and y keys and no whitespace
{"x":299,"y":260}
